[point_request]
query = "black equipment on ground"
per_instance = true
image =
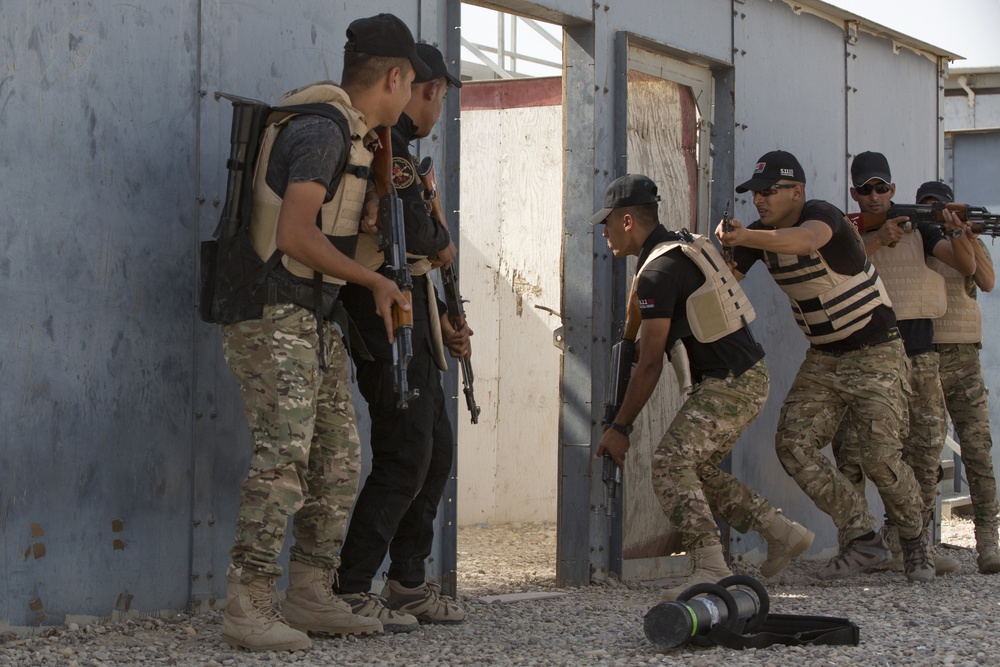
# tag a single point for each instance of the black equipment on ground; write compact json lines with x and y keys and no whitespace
{"x":734,"y":613}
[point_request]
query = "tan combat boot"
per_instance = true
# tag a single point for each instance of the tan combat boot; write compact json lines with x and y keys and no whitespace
{"x":856,"y":556}
{"x":986,"y":544}
{"x":374,"y":606}
{"x":311,"y":606}
{"x":786,"y":539}
{"x":252,"y":621}
{"x":918,"y":562}
{"x":709,"y":567}
{"x":424,"y":601}
{"x":943,"y":564}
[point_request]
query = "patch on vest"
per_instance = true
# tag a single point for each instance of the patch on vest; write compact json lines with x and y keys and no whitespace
{"x":402,"y":173}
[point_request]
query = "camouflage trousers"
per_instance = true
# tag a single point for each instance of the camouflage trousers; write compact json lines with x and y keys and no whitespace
{"x":306,"y":452}
{"x":686,"y":474}
{"x":869,"y":382}
{"x":922,"y":446}
{"x":967,"y":399}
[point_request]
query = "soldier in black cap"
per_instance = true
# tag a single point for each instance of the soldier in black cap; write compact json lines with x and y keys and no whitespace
{"x":958,"y":337}
{"x":902,"y":252}
{"x":685,"y":292}
{"x":855,"y":360}
{"x":412,"y":449}
{"x":291,"y":367}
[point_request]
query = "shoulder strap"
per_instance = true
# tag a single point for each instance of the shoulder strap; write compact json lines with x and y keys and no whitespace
{"x":331,"y":113}
{"x":789,"y":630}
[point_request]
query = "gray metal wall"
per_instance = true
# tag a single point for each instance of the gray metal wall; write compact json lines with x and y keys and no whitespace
{"x":972,"y":153}
{"x":124,"y":441}
{"x":803,"y":85}
{"x":971,"y":169}
{"x":786,"y":79}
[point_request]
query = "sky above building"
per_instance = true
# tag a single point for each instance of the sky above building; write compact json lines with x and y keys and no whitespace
{"x":970,"y":28}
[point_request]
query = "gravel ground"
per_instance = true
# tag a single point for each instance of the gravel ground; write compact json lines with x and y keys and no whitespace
{"x":951,"y":621}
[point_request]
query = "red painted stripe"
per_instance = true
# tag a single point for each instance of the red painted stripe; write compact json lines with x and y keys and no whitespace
{"x":511,"y":93}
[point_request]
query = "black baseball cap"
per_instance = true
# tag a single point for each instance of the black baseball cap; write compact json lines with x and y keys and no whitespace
{"x":385,"y":35}
{"x":936,"y":190}
{"x":771,"y":168}
{"x":435,"y":61}
{"x":868,"y":166}
{"x":629,"y":190}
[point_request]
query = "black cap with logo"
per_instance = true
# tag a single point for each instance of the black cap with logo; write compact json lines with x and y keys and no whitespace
{"x":385,"y":35}
{"x":629,"y":190}
{"x":771,"y":168}
{"x":935,"y":190}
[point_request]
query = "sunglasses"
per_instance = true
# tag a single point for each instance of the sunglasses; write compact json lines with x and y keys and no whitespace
{"x":867,"y":188}
{"x":773,"y":190}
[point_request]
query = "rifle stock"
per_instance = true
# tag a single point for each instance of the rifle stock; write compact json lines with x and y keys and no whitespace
{"x":392,"y":240}
{"x":983,"y":222}
{"x":449,"y":279}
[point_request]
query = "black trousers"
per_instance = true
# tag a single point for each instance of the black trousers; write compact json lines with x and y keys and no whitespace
{"x":412,"y":455}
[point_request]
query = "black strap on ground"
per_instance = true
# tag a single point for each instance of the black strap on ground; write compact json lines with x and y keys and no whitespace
{"x":790,"y":630}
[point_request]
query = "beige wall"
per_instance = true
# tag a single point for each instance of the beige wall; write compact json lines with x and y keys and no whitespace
{"x":511,"y":208}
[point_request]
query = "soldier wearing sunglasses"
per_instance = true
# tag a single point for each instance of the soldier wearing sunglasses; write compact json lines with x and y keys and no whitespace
{"x":900,"y":252}
{"x":854,"y":363}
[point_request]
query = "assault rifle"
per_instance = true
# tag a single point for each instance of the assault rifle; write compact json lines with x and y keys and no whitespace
{"x":392,"y":241}
{"x":983,"y":222}
{"x":622,"y":356}
{"x":727,"y":226}
{"x":449,"y":278}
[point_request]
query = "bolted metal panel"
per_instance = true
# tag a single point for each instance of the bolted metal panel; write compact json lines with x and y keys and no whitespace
{"x":578,"y":390}
{"x":909,"y":95}
{"x":126,"y":441}
{"x":692,"y":27}
{"x":972,"y":174}
{"x":98,"y":164}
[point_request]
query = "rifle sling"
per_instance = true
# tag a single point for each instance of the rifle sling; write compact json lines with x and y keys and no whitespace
{"x":787,"y":630}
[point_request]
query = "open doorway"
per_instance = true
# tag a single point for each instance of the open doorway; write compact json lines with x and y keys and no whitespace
{"x":510,"y":265}
{"x":669,"y":106}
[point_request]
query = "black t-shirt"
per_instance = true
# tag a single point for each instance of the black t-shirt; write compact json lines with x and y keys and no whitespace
{"x":424,"y":236}
{"x":918,"y":335}
{"x":663,"y":290}
{"x":845,"y":254}
{"x":309,"y":148}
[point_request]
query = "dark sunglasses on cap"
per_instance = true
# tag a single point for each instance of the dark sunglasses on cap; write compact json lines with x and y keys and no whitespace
{"x":773,"y":190}
{"x":867,"y":188}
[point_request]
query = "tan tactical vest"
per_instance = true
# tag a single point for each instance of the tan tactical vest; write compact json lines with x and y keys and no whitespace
{"x":917,"y":291}
{"x":963,"y":320}
{"x":828,"y":306}
{"x":341,"y":215}
{"x":717,"y":308}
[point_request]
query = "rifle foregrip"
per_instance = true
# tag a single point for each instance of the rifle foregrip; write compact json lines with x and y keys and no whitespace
{"x":403,"y":318}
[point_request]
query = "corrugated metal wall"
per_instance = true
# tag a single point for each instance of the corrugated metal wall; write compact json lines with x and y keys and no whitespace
{"x":972,"y":152}
{"x":124,"y":440}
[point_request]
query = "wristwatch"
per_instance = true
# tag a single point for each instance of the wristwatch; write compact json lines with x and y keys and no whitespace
{"x":624,"y":430}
